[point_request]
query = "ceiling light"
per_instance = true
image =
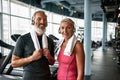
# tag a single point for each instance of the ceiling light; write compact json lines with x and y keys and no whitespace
{"x":119,"y":15}
{"x":74,"y":11}
{"x":61,"y":7}
{"x":119,"y":8}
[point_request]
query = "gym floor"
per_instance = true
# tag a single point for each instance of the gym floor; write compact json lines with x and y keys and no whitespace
{"x":104,"y":65}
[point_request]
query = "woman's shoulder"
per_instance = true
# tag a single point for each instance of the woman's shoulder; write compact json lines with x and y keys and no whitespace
{"x":79,"y":45}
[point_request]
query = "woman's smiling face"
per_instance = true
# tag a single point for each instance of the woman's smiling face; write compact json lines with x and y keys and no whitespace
{"x":66,"y":29}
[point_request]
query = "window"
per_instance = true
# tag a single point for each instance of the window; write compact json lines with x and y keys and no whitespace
{"x":17,"y":20}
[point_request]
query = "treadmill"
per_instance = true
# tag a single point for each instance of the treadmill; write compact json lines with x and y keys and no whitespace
{"x":6,"y":70}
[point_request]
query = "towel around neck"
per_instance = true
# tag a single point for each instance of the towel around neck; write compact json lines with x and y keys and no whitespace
{"x":70,"y":45}
{"x":36,"y":42}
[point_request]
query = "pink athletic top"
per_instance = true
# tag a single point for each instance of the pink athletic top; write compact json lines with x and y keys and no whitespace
{"x":67,"y":69}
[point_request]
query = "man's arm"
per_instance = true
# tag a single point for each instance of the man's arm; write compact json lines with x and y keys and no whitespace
{"x":18,"y":62}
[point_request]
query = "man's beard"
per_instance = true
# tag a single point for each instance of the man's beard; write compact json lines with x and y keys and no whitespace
{"x":39,"y":30}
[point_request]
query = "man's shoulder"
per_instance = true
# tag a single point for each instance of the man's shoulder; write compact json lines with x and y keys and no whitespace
{"x":26,"y":36}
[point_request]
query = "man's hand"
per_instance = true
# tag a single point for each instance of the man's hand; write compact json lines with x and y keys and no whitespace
{"x":47,"y":54}
{"x":37,"y":54}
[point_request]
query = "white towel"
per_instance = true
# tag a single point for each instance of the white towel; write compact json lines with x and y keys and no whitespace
{"x":44,"y":41}
{"x":69,"y":47}
{"x":36,"y":42}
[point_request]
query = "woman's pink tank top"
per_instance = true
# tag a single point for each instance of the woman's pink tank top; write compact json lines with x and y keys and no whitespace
{"x":67,"y":69}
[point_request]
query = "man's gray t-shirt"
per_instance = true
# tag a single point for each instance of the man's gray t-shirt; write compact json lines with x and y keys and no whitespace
{"x":25,"y":47}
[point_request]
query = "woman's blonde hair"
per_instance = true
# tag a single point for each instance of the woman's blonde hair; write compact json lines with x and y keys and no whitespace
{"x":69,"y":21}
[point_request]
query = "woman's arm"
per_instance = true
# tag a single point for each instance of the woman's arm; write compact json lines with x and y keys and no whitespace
{"x":80,"y":60}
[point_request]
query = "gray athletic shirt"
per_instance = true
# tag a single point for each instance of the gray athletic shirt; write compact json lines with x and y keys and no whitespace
{"x":25,"y":47}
